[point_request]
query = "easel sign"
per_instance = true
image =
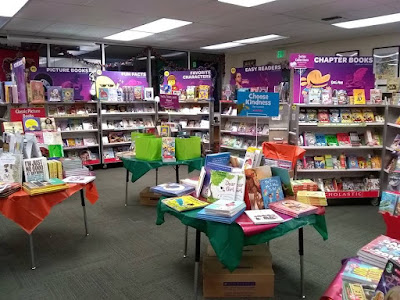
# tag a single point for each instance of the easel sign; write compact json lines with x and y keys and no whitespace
{"x":258,"y":104}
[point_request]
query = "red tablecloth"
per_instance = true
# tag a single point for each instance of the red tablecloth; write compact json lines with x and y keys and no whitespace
{"x":29,"y":211}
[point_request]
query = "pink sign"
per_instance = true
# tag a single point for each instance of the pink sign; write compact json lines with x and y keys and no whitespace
{"x":169,"y":101}
{"x":302,"y":60}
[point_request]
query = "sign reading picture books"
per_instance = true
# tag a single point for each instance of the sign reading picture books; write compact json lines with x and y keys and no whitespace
{"x":258,"y":104}
{"x":18,"y":114}
{"x":333,"y":77}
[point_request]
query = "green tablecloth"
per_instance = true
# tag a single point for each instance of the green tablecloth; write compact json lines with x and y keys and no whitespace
{"x":140,"y":167}
{"x":228,"y":240}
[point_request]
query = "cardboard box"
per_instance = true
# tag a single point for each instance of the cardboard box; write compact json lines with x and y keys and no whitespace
{"x":149,"y":198}
{"x":257,"y":250}
{"x":253,"y":278}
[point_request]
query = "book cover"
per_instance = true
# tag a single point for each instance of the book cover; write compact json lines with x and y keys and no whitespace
{"x":222,"y":158}
{"x":10,"y":168}
{"x":148,"y":93}
{"x":200,"y":182}
{"x":375,"y":96}
{"x":359,"y":96}
{"x":222,"y":186}
{"x":263,"y":216}
{"x":165,"y":131}
{"x":343,"y":139}
{"x":224,"y":207}
{"x":39,"y":136}
{"x":389,"y":284}
{"x":388,"y":202}
{"x":138,"y":92}
{"x":204,"y":92}
{"x":253,"y":195}
{"x":172,"y":189}
{"x":293,"y":208}
{"x":271,"y":190}
{"x":240,"y":188}
{"x":31,"y":124}
{"x":381,"y":249}
{"x":54,"y":93}
{"x":79,"y":179}
{"x":71,"y":142}
{"x":184,"y":203}
{"x":284,"y":175}
{"x":353,"y":291}
{"x":52,"y":138}
{"x":331,"y":140}
{"x":35,"y":169}
{"x":249,"y":160}
{"x":359,"y":272}
{"x":168,"y":149}
{"x":48,"y":124}
{"x":13,"y":127}
{"x":320,"y":139}
{"x":37,"y":91}
{"x":67,"y":94}
{"x":103,"y":94}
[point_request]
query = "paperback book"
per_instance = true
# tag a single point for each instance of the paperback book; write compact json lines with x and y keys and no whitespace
{"x":363,"y":273}
{"x":264,"y":216}
{"x":224,"y":208}
{"x":389,"y":284}
{"x":388,"y":202}
{"x":168,"y":149}
{"x":35,"y":169}
{"x":380,"y":250}
{"x":227,"y":220}
{"x":184,"y":203}
{"x":293,"y":208}
{"x":172,"y":189}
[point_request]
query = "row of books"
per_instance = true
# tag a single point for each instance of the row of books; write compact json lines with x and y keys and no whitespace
{"x":342,"y":161}
{"x":126,"y":123}
{"x":42,"y":187}
{"x":188,"y":110}
{"x":74,"y":109}
{"x":125,"y":93}
{"x":190,"y":93}
{"x":84,"y":155}
{"x":349,"y":184}
{"x":109,"y":109}
{"x":343,"y":115}
{"x":75,"y":125}
{"x":114,"y":153}
{"x":30,"y":124}
{"x":368,"y":138}
{"x":79,"y":142}
{"x":328,"y":96}
{"x":117,"y":137}
{"x":185,"y":123}
{"x":246,"y":128}
{"x":238,"y":142}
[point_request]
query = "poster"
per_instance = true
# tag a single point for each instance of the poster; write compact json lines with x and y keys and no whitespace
{"x":18,"y":69}
{"x":180,"y":80}
{"x":258,"y":104}
{"x":17,"y":114}
{"x":262,"y":77}
{"x":113,"y":79}
{"x":169,"y":101}
{"x":338,"y":72}
{"x":301,"y":60}
{"x":77,"y":78}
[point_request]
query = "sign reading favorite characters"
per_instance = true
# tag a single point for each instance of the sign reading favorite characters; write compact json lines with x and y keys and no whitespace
{"x":180,"y":80}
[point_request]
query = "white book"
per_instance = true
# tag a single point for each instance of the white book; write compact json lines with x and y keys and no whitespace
{"x":264,"y":216}
{"x":240,"y":187}
{"x":79,"y":179}
{"x":35,"y":169}
{"x":222,"y":186}
{"x":200,"y":182}
{"x":249,"y":160}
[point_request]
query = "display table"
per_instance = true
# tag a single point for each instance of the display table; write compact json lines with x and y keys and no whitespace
{"x":29,"y":211}
{"x":138,"y":168}
{"x":228,"y":240}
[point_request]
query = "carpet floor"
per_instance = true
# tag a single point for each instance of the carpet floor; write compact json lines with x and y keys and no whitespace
{"x":126,"y":256}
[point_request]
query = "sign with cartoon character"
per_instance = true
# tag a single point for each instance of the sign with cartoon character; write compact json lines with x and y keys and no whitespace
{"x":114,"y":79}
{"x":332,"y":73}
{"x":255,"y":104}
{"x":180,"y":80}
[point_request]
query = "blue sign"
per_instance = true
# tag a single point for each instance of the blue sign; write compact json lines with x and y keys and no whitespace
{"x":258,"y":104}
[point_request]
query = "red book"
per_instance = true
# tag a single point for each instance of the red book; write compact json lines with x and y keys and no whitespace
{"x":343,"y":139}
{"x":293,"y":208}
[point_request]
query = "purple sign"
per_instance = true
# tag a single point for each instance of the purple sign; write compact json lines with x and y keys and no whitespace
{"x":263,"y":78}
{"x":18,"y":69}
{"x":169,"y":101}
{"x":301,"y":60}
{"x":76,"y":78}
{"x":180,"y":80}
{"x":338,"y":73}
{"x":120,"y":79}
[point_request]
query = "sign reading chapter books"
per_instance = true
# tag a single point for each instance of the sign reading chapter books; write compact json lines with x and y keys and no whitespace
{"x":257,"y":104}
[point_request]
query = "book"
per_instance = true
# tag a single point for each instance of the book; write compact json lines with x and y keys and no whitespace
{"x":42,"y":187}
{"x":359,"y":272}
{"x":353,"y":291}
{"x":293,"y":208}
{"x":396,"y":143}
{"x":52,"y":138}
{"x":37,"y":92}
{"x":35,"y":169}
{"x":222,"y":158}
{"x":168,"y":149}
{"x":359,"y":96}
{"x":375,"y":96}
{"x":103,"y":94}
{"x":199,"y":184}
{"x":224,"y":208}
{"x":343,"y":139}
{"x":67,"y":94}
{"x":315,"y":198}
{"x":389,"y":284}
{"x":172,"y":189}
{"x":253,"y":195}
{"x":226,"y":220}
{"x":31,"y":124}
{"x":184,"y":203}
{"x":249,"y":159}
{"x":222,"y":186}
{"x":271,"y":190}
{"x":263,"y":216}
{"x":331,"y":140}
{"x":10,"y":168}
{"x":240,"y":188}
{"x":48,"y":124}
{"x":285,"y":179}
{"x":380,"y":250}
{"x":148,"y":93}
{"x":388,"y":202}
{"x":138,"y":92}
{"x":13,"y":127}
{"x":204,"y":91}
{"x":54,"y":93}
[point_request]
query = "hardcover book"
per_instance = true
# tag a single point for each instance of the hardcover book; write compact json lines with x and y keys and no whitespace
{"x":54,"y":93}
{"x":218,"y":158}
{"x":138,"y":93}
{"x":263,"y":216}
{"x":389,"y":284}
{"x":37,"y":92}
{"x":48,"y":124}
{"x":13,"y":127}
{"x":222,"y":186}
{"x":240,"y":188}
{"x":375,"y":96}
{"x":388,"y":202}
{"x":35,"y":169}
{"x":359,"y":96}
{"x":67,"y":94}
{"x":253,"y":195}
{"x":168,"y":149}
{"x":359,"y":272}
{"x":184,"y":203}
{"x":103,"y":94}
{"x":31,"y":124}
{"x":271,"y":190}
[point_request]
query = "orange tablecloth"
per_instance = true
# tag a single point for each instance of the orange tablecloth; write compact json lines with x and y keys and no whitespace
{"x":29,"y":211}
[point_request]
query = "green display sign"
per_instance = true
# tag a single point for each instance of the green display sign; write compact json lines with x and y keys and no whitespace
{"x":280,"y":54}
{"x":194,"y":64}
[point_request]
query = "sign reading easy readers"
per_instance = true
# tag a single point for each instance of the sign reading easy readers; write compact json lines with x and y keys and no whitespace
{"x":257,"y":104}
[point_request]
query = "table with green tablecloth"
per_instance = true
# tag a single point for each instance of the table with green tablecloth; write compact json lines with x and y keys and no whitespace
{"x":228,"y":240}
{"x":138,"y":168}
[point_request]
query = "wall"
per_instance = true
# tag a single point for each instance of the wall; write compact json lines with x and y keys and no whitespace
{"x":364,"y":45}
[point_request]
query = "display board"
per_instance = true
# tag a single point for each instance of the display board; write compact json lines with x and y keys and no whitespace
{"x":180,"y":80}
{"x":113,"y":79}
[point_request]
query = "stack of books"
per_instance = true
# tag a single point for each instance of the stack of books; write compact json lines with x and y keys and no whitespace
{"x":293,"y":208}
{"x":303,"y":185}
{"x":42,"y":187}
{"x":312,"y":198}
{"x":222,"y":211}
{"x":172,"y":189}
{"x":6,"y":189}
{"x":356,"y":271}
{"x":79,"y":179}
{"x":378,"y":251}
{"x":184,"y":203}
{"x":74,"y":167}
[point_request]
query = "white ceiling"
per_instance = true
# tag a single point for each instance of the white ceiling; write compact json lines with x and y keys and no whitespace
{"x":213,"y":22}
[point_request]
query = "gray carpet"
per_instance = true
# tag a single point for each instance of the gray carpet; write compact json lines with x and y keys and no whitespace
{"x":127,"y":256}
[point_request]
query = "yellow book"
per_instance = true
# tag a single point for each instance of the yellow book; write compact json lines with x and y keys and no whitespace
{"x":184,"y":203}
{"x":316,"y":198}
{"x":59,"y":169}
{"x":359,"y":96}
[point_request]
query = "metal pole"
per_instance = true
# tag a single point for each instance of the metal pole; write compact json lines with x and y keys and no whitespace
{"x":149,"y":79}
{"x":196,"y":264}
{"x":48,"y":56}
{"x":126,"y":187}
{"x":177,"y":173}
{"x":157,"y":176}
{"x":301,"y":253}
{"x":103,"y":55}
{"x":32,"y":252}
{"x":186,"y":242}
{"x":84,"y":211}
{"x":188,"y":61}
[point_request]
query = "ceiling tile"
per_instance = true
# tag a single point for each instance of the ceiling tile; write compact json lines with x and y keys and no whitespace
{"x":64,"y":28}
{"x":96,"y":32}
{"x":20,"y":24}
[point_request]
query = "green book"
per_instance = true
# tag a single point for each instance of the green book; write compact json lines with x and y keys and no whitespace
{"x":331,"y":140}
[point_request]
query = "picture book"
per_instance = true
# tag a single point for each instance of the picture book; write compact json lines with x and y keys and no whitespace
{"x":205,"y":192}
{"x":343,"y":139}
{"x":249,"y":160}
{"x":13,"y":127}
{"x":31,"y":124}
{"x":165,"y":131}
{"x":263,"y":216}
{"x":380,"y":250}
{"x":284,"y":175}
{"x":253,"y":195}
{"x":222,"y":158}
{"x":326,"y":96}
{"x":319,"y":162}
{"x":375,"y":96}
{"x":359,"y":272}
{"x":191,"y":92}
{"x":172,"y":189}
{"x":35,"y":169}
{"x":37,"y":92}
{"x":353,"y":291}
{"x":52,"y":138}
{"x":320,"y":139}
{"x":222,"y":186}
{"x":48,"y":124}
{"x":204,"y":91}
{"x":184,"y":203}
{"x":389,"y":284}
{"x":225,"y":208}
{"x":54,"y":93}
{"x":218,"y":218}
{"x":293,"y":208}
{"x":331,"y":140}
{"x":137,"y":92}
{"x":67,"y":94}
{"x":271,"y":190}
{"x":314,"y":96}
{"x":359,"y":96}
{"x":103,"y":94}
{"x":10,"y":168}
{"x":168,"y":149}
{"x":388,"y":202}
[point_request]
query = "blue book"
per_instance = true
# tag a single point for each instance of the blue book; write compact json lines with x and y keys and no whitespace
{"x":172,"y":189}
{"x":271,"y":189}
{"x":320,"y":139}
{"x":218,"y":158}
{"x":227,"y":220}
{"x":388,"y":203}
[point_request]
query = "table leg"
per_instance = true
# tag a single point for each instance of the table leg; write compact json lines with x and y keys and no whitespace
{"x":186,"y":242}
{"x":84,"y":211}
{"x":301,"y":253}
{"x":32,"y":252}
{"x":157,"y":176}
{"x":196,"y":263}
{"x":126,"y":187}
{"x":177,"y":173}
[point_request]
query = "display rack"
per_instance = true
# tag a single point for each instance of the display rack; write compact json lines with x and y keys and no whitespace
{"x":191,"y":113}
{"x":265,"y":128}
{"x":118,"y":120}
{"x":297,"y":128}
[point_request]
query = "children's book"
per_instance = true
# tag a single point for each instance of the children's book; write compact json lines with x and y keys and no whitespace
{"x":31,"y":124}
{"x":103,"y":94}
{"x":388,"y":202}
{"x":359,"y":272}
{"x":13,"y":127}
{"x":249,"y":159}
{"x":320,"y":139}
{"x":396,"y":143}
{"x":67,"y":94}
{"x":222,"y":158}
{"x":184,"y":203}
{"x":48,"y":124}
{"x":375,"y":96}
{"x":222,"y":186}
{"x":217,"y":218}
{"x":200,"y":182}
{"x":359,"y":96}
{"x":204,"y":92}
{"x":343,"y":139}
{"x":284,"y":175}
{"x":168,"y":149}
{"x":35,"y":169}
{"x":240,"y":188}
{"x":353,"y":291}
{"x":331,"y":140}
{"x":224,"y":208}
{"x":271,"y":190}
{"x":172,"y":189}
{"x":138,"y":93}
{"x":253,"y":195}
{"x":293,"y":208}
{"x":37,"y":91}
{"x":389,"y":283}
{"x":165,"y":131}
{"x":264,"y":216}
{"x":10,"y":168}
{"x":380,"y":250}
{"x":54,"y":93}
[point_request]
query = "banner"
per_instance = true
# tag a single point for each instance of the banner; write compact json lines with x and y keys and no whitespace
{"x":253,"y":104}
{"x":262,"y":77}
{"x":111,"y":79}
{"x":338,"y":73}
{"x":76,"y":78}
{"x":169,"y":101}
{"x":180,"y":80}
{"x":17,"y":114}
{"x":18,"y":70}
{"x":301,"y":60}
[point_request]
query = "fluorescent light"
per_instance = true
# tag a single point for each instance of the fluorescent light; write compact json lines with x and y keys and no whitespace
{"x":10,"y":8}
{"x":261,"y":39}
{"x":222,"y":46}
{"x":128,"y":35}
{"x":369,"y":21}
{"x":161,"y":25}
{"x":246,"y":3}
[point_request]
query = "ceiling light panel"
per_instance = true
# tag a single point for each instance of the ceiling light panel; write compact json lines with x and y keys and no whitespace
{"x":222,"y":46}
{"x":10,"y":8}
{"x":128,"y":35}
{"x":261,"y":39}
{"x":246,"y":3}
{"x":369,"y":21}
{"x":161,"y":25}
